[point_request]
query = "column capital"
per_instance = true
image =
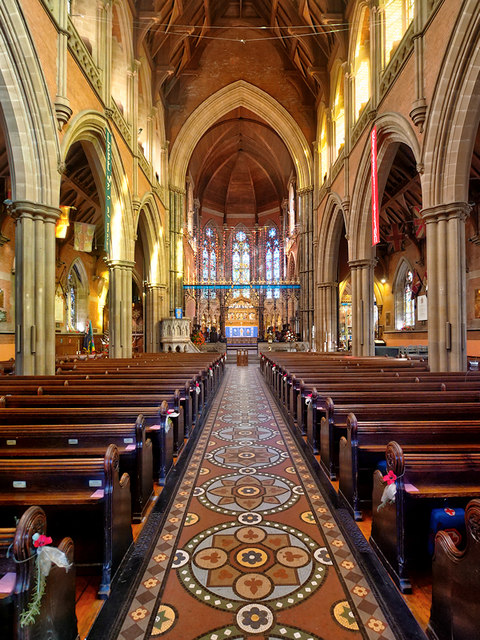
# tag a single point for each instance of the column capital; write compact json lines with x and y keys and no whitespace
{"x":327,"y":285}
{"x":363,"y":263}
{"x":451,"y":210}
{"x":25,"y":208}
{"x":152,"y":286}
{"x":178,"y":190}
{"x":305,"y":191}
{"x":126,"y":264}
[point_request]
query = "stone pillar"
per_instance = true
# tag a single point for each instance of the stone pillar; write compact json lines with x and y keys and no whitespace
{"x":153,"y":314}
{"x":419,"y":106}
{"x":105,"y":49}
{"x":34,"y":288}
{"x":446,"y":270}
{"x":307,"y":260}
{"x":177,"y":197}
{"x":120,"y":308}
{"x":362,"y":307}
{"x":62,"y":103}
{"x":327,"y":318}
{"x":375,"y":52}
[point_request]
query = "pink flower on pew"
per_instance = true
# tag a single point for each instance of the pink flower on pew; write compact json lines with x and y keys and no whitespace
{"x":390,"y":477}
{"x":40,"y":540}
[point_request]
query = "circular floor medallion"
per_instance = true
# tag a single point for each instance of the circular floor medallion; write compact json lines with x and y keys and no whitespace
{"x":237,"y":456}
{"x":238,"y":492}
{"x":255,"y":618}
{"x":232,"y":562}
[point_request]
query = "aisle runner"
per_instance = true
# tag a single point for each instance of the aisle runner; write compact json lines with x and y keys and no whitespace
{"x":250,"y":549}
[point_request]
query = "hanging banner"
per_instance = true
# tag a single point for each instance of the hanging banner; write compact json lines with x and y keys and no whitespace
{"x":108,"y":188}
{"x":83,"y":236}
{"x":375,"y":214}
{"x":63,"y":222}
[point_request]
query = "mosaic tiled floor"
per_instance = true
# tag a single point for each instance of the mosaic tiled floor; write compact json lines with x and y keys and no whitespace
{"x":249,"y":548}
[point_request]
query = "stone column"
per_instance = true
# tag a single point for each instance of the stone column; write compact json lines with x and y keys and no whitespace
{"x":153,"y":303}
{"x":62,"y":103}
{"x":327,"y":318}
{"x":105,"y":48}
{"x":305,"y":204}
{"x":177,"y":197}
{"x":446,"y":270}
{"x":362,"y":307}
{"x":34,"y":288}
{"x":120,"y":308}
{"x":419,"y":106}
{"x":375,"y":52}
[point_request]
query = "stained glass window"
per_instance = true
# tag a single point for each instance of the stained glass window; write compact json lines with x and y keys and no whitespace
{"x":241,"y":259}
{"x":272,"y":261}
{"x":209,"y":258}
{"x":404,"y":301}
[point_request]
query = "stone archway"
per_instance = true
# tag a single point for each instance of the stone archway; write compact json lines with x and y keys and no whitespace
{"x":240,"y":94}
{"x":33,"y":153}
{"x":449,"y":141}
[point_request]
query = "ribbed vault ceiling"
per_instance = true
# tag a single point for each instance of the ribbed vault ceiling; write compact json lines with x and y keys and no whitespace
{"x":240,"y":166}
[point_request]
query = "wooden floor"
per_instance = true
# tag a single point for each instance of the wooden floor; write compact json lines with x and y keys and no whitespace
{"x":88,"y":606}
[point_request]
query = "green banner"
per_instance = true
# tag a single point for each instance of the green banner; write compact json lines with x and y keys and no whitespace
{"x":108,"y":188}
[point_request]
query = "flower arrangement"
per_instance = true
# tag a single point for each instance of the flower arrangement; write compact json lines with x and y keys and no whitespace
{"x":289,"y":336}
{"x":198,"y":338}
{"x":45,"y":557}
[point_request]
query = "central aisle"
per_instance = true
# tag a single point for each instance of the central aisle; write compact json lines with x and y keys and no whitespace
{"x":249,"y":548}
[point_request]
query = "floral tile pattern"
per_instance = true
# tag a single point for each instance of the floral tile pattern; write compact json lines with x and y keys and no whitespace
{"x":249,"y":548}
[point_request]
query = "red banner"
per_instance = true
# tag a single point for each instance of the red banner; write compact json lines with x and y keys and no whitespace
{"x":375,"y":215}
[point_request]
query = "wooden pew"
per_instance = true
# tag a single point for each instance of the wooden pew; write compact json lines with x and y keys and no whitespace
{"x":156,"y":421}
{"x":455,"y":608}
{"x":334,"y":424}
{"x":57,"y":617}
{"x":135,"y":401}
{"x":388,"y":395}
{"x":82,"y":497}
{"x":424,"y":481}
{"x":90,"y":440}
{"x":365,"y":443}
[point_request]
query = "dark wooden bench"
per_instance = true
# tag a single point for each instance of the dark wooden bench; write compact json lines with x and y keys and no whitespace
{"x":88,"y":440}
{"x":157,"y":423}
{"x":364,"y":446}
{"x":424,"y":481}
{"x":84,"y":498}
{"x":56,"y":618}
{"x":455,"y":608}
{"x":334,"y":424}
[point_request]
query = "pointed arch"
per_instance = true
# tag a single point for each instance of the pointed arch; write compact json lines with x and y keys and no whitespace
{"x":392,"y":129}
{"x":240,"y":94}
{"x":151,"y":227}
{"x":89,"y":127}
{"x":334,"y":219}
{"x":455,"y":114}
{"x":26,"y":111}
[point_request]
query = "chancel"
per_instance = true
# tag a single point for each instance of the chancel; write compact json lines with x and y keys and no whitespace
{"x":239,"y":319}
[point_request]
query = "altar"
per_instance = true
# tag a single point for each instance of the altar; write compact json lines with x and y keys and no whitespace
{"x":241,"y":323}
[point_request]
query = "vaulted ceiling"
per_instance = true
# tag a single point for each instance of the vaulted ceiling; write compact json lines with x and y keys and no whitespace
{"x":176,"y":33}
{"x":240,"y":167}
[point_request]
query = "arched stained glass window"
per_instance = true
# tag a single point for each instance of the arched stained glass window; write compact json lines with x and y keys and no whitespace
{"x":404,"y":299}
{"x":272,"y":262}
{"x":209,"y":256}
{"x":361,"y":65}
{"x":396,"y":16}
{"x":241,"y":260}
